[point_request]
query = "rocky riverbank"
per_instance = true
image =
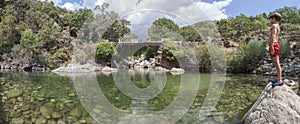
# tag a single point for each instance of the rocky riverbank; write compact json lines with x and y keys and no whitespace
{"x":290,"y":65}
{"x":275,"y":105}
{"x":25,"y":67}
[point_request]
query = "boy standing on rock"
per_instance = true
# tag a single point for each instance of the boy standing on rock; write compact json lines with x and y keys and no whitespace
{"x":274,"y":47}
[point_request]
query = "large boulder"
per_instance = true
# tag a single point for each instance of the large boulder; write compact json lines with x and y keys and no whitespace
{"x":275,"y":105}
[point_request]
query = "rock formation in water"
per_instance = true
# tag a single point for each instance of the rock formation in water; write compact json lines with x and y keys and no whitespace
{"x":280,"y":105}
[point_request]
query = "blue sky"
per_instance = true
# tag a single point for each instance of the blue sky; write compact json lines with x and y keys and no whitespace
{"x":255,"y":7}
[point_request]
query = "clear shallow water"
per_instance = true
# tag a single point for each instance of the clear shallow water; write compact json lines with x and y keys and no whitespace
{"x":51,"y":98}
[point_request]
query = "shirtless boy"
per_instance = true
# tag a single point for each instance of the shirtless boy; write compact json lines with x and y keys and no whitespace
{"x":274,"y":47}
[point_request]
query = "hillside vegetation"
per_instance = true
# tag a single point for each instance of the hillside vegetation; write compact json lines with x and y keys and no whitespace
{"x":36,"y":32}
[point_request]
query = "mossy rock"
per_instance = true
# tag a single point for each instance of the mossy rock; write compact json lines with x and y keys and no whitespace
{"x":14,"y":93}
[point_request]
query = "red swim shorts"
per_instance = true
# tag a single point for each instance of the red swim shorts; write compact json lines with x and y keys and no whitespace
{"x":276,"y":47}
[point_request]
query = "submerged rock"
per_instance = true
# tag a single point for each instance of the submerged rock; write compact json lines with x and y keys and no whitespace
{"x":75,"y":112}
{"x":41,"y":120}
{"x":17,"y":121}
{"x":56,"y":115}
{"x":14,"y":93}
{"x":275,"y":105}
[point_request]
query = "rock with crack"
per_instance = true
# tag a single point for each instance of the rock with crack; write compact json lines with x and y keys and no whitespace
{"x":280,"y":105}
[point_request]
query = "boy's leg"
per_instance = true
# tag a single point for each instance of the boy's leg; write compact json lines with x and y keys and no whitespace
{"x":278,"y":68}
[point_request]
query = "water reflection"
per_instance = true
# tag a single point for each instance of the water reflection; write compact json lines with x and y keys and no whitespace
{"x":77,"y":97}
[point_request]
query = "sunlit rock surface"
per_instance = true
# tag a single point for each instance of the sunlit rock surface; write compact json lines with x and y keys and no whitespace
{"x":275,"y":105}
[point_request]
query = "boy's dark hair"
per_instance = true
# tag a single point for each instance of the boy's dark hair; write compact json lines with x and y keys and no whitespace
{"x":277,"y":16}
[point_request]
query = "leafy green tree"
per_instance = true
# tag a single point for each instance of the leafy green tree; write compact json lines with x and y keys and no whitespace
{"x":9,"y":35}
{"x":163,"y":28}
{"x":203,"y":57}
{"x":172,"y":51}
{"x":104,"y":26}
{"x":29,"y":40}
{"x":207,"y":29}
{"x":75,"y":20}
{"x":104,"y":51}
{"x":290,"y":15}
{"x":208,"y":57}
{"x":31,"y":45}
{"x":260,"y":24}
{"x":190,"y":34}
{"x":224,"y":27}
{"x":54,"y":60}
{"x":117,"y":30}
{"x":48,"y":34}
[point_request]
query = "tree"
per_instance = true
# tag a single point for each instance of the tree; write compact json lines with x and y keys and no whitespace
{"x":104,"y":51}
{"x":163,"y":28}
{"x":190,"y":34}
{"x":48,"y":35}
{"x":75,"y":20}
{"x":29,"y":40}
{"x":261,"y":23}
{"x":31,"y":45}
{"x":117,"y":30}
{"x":290,"y":15}
{"x":105,"y":25}
{"x":207,"y":29}
{"x":172,"y":51}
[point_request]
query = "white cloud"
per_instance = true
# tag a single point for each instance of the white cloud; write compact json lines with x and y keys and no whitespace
{"x":183,"y":12}
{"x":143,"y":13}
{"x":90,"y":4}
{"x":71,"y":6}
{"x":191,"y":11}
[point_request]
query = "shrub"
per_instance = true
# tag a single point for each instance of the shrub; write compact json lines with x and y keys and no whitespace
{"x":104,"y":51}
{"x":202,"y":56}
{"x":54,"y":60}
{"x":172,"y":51}
{"x":284,"y":49}
{"x":248,"y":57}
{"x":206,"y":52}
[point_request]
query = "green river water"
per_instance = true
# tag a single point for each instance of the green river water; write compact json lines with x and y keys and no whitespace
{"x":97,"y":98}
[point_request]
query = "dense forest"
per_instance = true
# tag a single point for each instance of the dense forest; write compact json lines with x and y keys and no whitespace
{"x":36,"y":32}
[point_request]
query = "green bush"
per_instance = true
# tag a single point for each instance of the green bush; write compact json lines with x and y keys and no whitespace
{"x":203,"y":56}
{"x":284,"y":49}
{"x":104,"y":51}
{"x":206,"y":52}
{"x":29,"y":40}
{"x":56,"y":59}
{"x":172,"y":51}
{"x":248,"y":57}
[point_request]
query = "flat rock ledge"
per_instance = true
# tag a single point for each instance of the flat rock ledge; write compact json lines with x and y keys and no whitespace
{"x":278,"y":105}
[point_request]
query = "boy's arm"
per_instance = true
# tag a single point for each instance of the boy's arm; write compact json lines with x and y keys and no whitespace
{"x":272,"y":38}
